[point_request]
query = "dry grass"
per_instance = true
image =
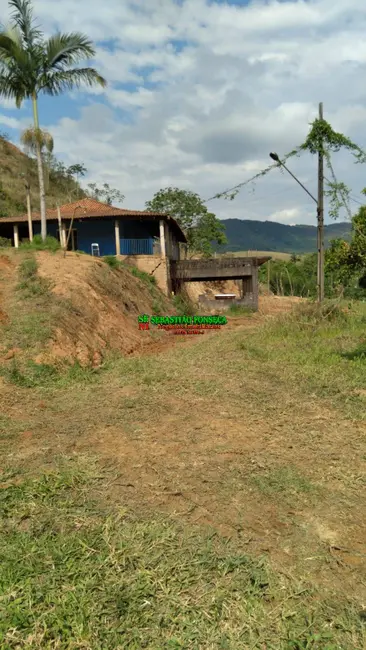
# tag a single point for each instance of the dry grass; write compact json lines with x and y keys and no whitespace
{"x":255,"y":433}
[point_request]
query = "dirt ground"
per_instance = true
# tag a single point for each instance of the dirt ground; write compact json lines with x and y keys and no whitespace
{"x":192,"y":431}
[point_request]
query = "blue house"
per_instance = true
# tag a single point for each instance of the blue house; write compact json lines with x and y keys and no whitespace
{"x":101,"y":229}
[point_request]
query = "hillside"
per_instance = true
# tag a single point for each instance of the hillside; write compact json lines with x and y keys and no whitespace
{"x":16,"y":167}
{"x":75,"y":309}
{"x":271,"y":236}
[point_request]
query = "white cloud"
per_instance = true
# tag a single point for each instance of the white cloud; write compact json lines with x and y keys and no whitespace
{"x":200,"y":92}
{"x":10,"y":122}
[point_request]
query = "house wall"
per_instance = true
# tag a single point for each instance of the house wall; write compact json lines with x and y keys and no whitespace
{"x":93,"y":231}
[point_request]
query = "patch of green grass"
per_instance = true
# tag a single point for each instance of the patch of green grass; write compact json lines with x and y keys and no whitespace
{"x":49,"y":244}
{"x":112,"y":261}
{"x":358,"y":354}
{"x":157,"y":308}
{"x":28,"y":269}
{"x":284,"y":481}
{"x":29,"y":281}
{"x":104,"y":580}
{"x":28,"y":329}
{"x":29,"y":374}
{"x":239,"y":310}
{"x":323,"y":355}
{"x":142,"y":275}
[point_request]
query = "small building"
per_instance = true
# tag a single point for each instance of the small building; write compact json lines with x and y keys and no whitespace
{"x":148,"y":239}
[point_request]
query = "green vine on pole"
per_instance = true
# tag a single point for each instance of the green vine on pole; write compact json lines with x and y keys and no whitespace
{"x":320,"y":139}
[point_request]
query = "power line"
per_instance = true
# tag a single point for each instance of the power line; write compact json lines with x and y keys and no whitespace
{"x":236,"y":188}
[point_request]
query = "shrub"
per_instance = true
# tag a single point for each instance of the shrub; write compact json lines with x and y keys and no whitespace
{"x":28,"y":269}
{"x":4,"y":242}
{"x":183,"y":304}
{"x":112,"y":261}
{"x":313,"y":312}
{"x":142,"y":275}
{"x":49,"y":244}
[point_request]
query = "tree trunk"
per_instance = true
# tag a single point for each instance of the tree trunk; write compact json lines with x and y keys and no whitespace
{"x":42,"y":195}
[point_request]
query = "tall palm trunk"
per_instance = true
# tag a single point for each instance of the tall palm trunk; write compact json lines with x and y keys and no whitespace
{"x":42,"y":194}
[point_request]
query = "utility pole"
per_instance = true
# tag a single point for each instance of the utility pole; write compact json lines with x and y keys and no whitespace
{"x":320,"y":211}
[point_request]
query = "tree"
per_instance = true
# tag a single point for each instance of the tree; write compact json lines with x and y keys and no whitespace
{"x":347,"y":260}
{"x":106,"y":194}
{"x":77,"y":170}
{"x":201,"y":227}
{"x":33,"y":138}
{"x":31,"y":64}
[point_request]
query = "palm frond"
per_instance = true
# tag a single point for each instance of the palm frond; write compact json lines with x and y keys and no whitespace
{"x":22,"y":16}
{"x":11,"y":49}
{"x":68,"y":49}
{"x":10,"y":88}
{"x":60,"y":81}
{"x":32,"y":137}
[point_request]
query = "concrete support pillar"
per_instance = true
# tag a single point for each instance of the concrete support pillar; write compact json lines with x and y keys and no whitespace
{"x":16,"y":236}
{"x":117,"y":235}
{"x":247,"y":285}
{"x":162,"y":238}
{"x":63,"y":235}
{"x":251,"y":288}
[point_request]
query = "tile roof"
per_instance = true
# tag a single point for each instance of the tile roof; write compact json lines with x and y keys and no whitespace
{"x":91,"y":208}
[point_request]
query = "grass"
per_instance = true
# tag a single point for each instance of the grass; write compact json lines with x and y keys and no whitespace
{"x":38,"y":244}
{"x":285,"y":481}
{"x":239,"y":310}
{"x":104,"y":581}
{"x":223,"y":506}
{"x":183,"y":304}
{"x":30,"y":283}
{"x":29,"y":374}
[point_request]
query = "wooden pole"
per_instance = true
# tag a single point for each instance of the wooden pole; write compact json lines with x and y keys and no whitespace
{"x":78,"y":207}
{"x":269,"y":276}
{"x":29,"y":212}
{"x":62,"y":239}
{"x":320,"y":230}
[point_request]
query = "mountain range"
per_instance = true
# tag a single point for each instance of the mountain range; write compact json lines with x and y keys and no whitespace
{"x":243,"y":235}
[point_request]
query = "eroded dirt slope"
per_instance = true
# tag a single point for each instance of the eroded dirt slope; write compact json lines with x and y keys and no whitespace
{"x":80,"y":309}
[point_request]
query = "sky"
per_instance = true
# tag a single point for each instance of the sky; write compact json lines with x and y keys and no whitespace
{"x":200,"y":91}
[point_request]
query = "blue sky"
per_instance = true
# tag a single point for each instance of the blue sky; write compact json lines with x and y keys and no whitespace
{"x":199,"y":92}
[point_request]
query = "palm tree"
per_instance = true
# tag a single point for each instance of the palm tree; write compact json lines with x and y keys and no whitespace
{"x":31,"y":138}
{"x":31,"y":65}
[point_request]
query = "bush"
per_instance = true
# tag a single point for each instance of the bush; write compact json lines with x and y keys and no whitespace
{"x":5,"y":243}
{"x":28,"y":269}
{"x":183,"y":305}
{"x":49,"y":244}
{"x":313,"y":312}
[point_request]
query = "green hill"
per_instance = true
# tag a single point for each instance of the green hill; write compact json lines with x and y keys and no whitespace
{"x":15,"y":167}
{"x":272,"y":236}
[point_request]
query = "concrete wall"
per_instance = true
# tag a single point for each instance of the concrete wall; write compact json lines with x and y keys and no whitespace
{"x":154,"y":265}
